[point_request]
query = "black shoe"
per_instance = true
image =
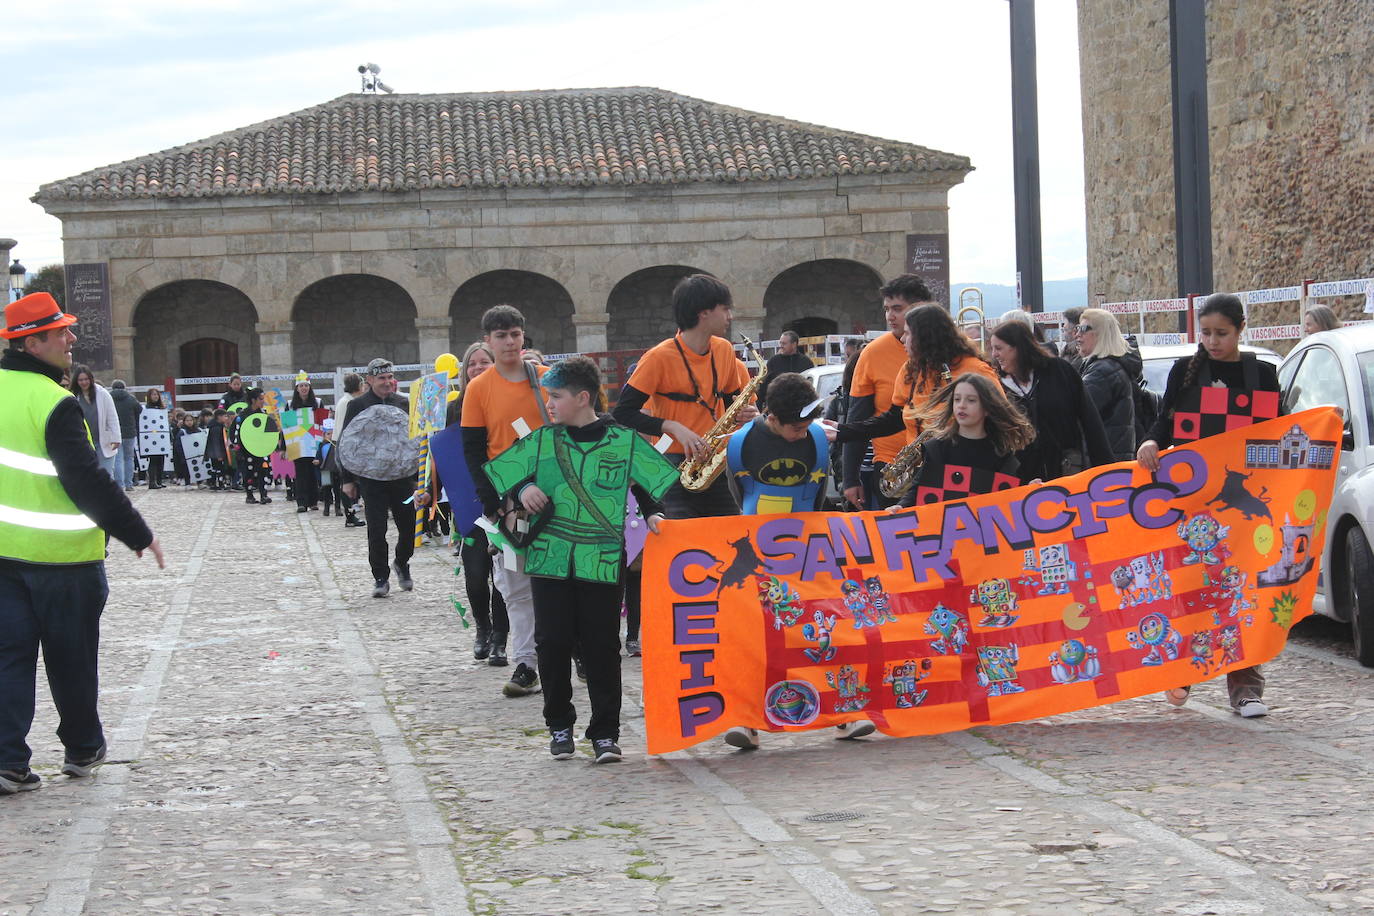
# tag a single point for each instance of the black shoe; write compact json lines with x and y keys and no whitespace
{"x":581,"y":672}
{"x":403,"y":576}
{"x":562,"y":746}
{"x":481,"y":644}
{"x":354,"y":522}
{"x":523,"y":682}
{"x":605,"y":750}
{"x":326,"y":512}
{"x":85,"y":766}
{"x":266,"y":499}
{"x":250,"y":498}
{"x":314,"y":508}
{"x":498,"y":651}
{"x":12,"y":782}
{"x":301,"y":510}
{"x":381,"y":588}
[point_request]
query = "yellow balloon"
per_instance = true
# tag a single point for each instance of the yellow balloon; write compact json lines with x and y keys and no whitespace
{"x":448,"y":363}
{"x":453,"y":395}
{"x":1264,"y":538}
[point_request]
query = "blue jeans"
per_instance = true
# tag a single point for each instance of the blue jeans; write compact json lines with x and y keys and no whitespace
{"x":57,"y":609}
{"x":124,"y":463}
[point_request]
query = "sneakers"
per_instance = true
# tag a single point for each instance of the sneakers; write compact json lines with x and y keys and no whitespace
{"x":301,"y":510}
{"x":562,"y":746}
{"x":12,"y":782}
{"x":746,"y":739}
{"x":1251,"y":708}
{"x":1177,"y":696}
{"x":848,"y":731}
{"x":632,"y":648}
{"x":265,"y":499}
{"x":381,"y":588}
{"x":250,"y":498}
{"x":84,"y":767}
{"x":403,"y":576}
{"x":605,"y":750}
{"x":355,"y":522}
{"x":522,"y":683}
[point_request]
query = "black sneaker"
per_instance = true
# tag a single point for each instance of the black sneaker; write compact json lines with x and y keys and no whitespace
{"x":250,"y":498}
{"x":403,"y":576}
{"x":12,"y":782}
{"x":266,"y":498}
{"x":562,"y":746}
{"x":523,"y":682}
{"x":84,"y":767}
{"x":605,"y":750}
{"x":381,"y":588}
{"x":355,"y":523}
{"x":301,"y":510}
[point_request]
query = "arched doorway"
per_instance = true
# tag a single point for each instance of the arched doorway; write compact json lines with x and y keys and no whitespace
{"x":546,"y":305}
{"x":813,"y":326}
{"x":350,"y":319}
{"x":640,"y":307}
{"x":170,"y":318}
{"x":209,"y":356}
{"x":836,"y":294}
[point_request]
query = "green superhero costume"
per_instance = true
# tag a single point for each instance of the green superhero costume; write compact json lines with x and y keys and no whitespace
{"x":586,"y":483}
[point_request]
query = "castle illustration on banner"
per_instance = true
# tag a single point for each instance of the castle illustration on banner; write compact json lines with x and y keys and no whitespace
{"x":1291,"y":451}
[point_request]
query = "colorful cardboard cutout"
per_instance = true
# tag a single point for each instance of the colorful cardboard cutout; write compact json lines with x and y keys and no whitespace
{"x":303,"y":431}
{"x":154,"y":433}
{"x":446,"y":448}
{"x":428,"y":404}
{"x":193,"y":444}
{"x":256,"y":436}
{"x":1113,"y":583}
{"x":282,"y":467}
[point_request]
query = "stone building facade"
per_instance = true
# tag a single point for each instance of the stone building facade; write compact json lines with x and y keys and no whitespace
{"x":387,"y":224}
{"x":1291,"y":106}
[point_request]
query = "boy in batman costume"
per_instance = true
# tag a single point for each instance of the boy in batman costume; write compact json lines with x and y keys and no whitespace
{"x":777,"y":463}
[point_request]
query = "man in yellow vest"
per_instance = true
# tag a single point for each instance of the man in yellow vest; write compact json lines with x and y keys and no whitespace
{"x":57,"y":505}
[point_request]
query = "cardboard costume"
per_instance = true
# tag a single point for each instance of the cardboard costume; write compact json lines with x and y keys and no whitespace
{"x":1205,"y":410}
{"x":587,"y":485}
{"x":783,"y":485}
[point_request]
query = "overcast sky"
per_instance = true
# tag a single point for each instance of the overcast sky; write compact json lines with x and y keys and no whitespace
{"x":93,"y":84}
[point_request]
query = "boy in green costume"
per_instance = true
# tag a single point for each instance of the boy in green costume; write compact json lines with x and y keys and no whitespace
{"x":573,"y":476}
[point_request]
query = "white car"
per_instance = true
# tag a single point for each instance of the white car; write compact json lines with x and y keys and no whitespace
{"x":825,"y":379}
{"x":1337,"y":368}
{"x":1159,"y":360}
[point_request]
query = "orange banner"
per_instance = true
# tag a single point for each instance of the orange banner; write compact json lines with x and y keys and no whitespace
{"x":1110,"y":584}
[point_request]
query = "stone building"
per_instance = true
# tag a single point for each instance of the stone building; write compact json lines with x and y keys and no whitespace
{"x":387,"y":224}
{"x":1291,"y":106}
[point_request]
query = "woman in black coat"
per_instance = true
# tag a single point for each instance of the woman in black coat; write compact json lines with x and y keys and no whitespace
{"x":1068,"y":431}
{"x":307,"y":474}
{"x":1111,"y":370}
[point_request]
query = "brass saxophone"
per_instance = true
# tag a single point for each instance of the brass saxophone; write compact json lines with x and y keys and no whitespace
{"x":697,"y":475}
{"x":899,"y":476}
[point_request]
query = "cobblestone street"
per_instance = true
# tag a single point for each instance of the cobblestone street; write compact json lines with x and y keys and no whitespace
{"x":281,"y":742}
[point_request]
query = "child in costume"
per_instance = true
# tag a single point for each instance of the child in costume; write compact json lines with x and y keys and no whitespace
{"x":1201,"y":398}
{"x":573,"y":477}
{"x":777,"y":463}
{"x":254,"y":470}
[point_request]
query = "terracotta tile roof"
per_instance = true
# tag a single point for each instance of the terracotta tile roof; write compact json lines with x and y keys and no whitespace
{"x":578,"y":137}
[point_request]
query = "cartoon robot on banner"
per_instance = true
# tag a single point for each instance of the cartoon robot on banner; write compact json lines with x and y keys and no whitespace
{"x":1157,"y":634}
{"x":997,"y":669}
{"x":857,"y":602}
{"x":1143,"y":580}
{"x":903,"y":679}
{"x":879,"y":601}
{"x":819,"y":632}
{"x":853,"y":692}
{"x":1075,"y":661}
{"x":1055,"y":569}
{"x":779,"y":599}
{"x":1232,"y":587}
{"x":997,"y":600}
{"x":950,"y":629}
{"x":1203,"y":536}
{"x":1200,"y":650}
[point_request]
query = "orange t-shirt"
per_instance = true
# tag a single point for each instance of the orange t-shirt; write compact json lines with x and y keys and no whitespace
{"x":491,"y":401}
{"x":663,"y":376}
{"x":922,"y":394}
{"x":875,"y":374}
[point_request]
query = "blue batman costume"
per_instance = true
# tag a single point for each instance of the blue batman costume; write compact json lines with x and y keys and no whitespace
{"x":773,"y":476}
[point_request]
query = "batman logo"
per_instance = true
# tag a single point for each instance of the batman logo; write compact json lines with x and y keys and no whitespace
{"x":783,"y":472}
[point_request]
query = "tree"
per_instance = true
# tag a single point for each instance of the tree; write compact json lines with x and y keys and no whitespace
{"x":51,"y":279}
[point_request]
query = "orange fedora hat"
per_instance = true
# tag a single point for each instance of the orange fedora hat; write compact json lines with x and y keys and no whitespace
{"x":33,"y":313}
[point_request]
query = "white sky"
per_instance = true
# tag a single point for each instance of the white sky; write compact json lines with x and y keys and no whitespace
{"x":92,"y":84}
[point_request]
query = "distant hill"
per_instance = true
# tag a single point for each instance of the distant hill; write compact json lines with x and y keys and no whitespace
{"x":998,"y":299}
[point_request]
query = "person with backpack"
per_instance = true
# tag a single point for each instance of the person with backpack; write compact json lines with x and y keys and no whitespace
{"x":1110,"y":370}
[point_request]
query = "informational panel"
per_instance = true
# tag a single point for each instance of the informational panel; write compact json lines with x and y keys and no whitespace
{"x":88,"y":298}
{"x":927,"y":256}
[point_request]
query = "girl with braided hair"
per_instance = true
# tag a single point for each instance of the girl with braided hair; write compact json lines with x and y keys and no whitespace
{"x":1218,"y":363}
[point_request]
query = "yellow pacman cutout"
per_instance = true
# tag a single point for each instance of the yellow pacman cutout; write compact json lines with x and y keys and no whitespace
{"x":237,"y":407}
{"x":1076,"y":616}
{"x":255,"y":436}
{"x":1305,"y":504}
{"x":453,"y":395}
{"x":1264,"y":538}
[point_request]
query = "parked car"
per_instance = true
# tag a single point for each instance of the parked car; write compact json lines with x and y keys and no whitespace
{"x":826,"y":380}
{"x":1337,"y":368}
{"x":1159,"y":360}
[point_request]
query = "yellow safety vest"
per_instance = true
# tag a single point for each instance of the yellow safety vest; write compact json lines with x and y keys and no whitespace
{"x":39,"y":523}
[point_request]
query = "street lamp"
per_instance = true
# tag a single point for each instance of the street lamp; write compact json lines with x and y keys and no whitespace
{"x":17,"y":273}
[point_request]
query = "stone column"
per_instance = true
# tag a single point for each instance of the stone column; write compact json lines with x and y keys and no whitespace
{"x":433,"y":335}
{"x":748,"y":313}
{"x":274,"y":346}
{"x":591,"y":331}
{"x":124,"y":353}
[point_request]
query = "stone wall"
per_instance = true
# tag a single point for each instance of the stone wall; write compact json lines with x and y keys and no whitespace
{"x":824,"y":289}
{"x":547,"y":307}
{"x":1291,"y":105}
{"x":180,"y":312}
{"x":350,"y":320}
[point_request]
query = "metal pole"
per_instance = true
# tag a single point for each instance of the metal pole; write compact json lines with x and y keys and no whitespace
{"x":1192,"y":158}
{"x":1025,"y":151}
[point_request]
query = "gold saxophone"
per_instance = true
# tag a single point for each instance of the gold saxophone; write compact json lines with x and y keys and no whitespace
{"x":899,"y":476}
{"x":696,"y":475}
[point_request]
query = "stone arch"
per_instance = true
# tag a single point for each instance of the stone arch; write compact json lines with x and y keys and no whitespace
{"x":545,"y":303}
{"x":816,"y":293}
{"x":181,"y":311}
{"x":348,"y":319}
{"x":640,"y":307}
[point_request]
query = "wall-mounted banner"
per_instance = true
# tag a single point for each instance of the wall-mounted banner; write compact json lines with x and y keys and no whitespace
{"x":88,"y":298}
{"x":1110,"y":584}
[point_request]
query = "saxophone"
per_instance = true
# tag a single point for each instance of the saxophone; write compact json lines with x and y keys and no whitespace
{"x":697,"y":475}
{"x":899,"y":476}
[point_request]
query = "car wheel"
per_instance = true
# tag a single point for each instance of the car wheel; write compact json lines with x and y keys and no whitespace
{"x":1359,"y":594}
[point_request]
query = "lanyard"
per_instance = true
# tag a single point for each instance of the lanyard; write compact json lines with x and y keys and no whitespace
{"x":696,"y":389}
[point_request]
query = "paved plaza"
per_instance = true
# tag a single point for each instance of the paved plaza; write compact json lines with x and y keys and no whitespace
{"x":281,"y":742}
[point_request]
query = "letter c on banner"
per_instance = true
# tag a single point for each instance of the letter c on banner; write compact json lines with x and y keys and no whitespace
{"x":692,"y":588}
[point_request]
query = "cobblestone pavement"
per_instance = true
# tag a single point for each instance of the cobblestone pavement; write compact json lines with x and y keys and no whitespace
{"x":283,"y":743}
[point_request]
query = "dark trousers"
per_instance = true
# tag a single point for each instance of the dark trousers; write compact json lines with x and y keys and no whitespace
{"x":488,"y":607}
{"x":252,"y":472}
{"x":572,"y":616}
{"x":57,"y":609}
{"x":307,"y":482}
{"x":381,"y":497}
{"x":633,"y":582}
{"x":155,"y":470}
{"x":715,"y":500}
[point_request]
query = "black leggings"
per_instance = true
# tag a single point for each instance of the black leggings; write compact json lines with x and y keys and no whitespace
{"x":488,"y":607}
